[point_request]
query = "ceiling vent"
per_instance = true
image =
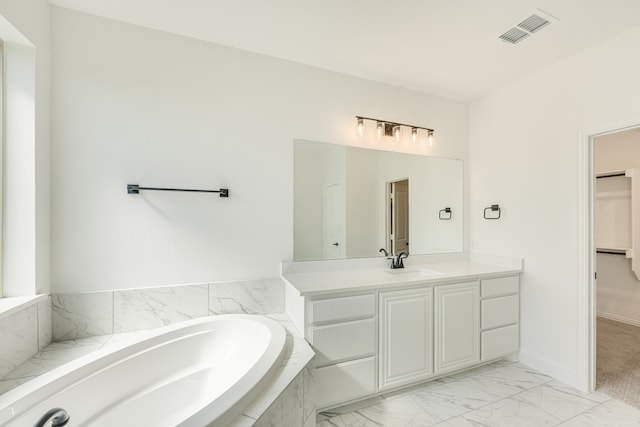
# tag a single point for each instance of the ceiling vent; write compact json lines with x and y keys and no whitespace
{"x":514,"y":35}
{"x":527,"y":27}
{"x":533,"y":23}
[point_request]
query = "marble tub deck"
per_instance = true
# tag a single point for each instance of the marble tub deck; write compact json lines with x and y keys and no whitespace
{"x":501,"y":394}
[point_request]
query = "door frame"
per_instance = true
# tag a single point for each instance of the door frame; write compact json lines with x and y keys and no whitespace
{"x":387,"y":212}
{"x":586,"y":371}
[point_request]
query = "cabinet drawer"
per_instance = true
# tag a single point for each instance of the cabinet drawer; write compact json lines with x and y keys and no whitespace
{"x":499,"y":311}
{"x":345,"y":381}
{"x":343,"y":341}
{"x":344,"y":308}
{"x":498,"y":287}
{"x":499,"y":342}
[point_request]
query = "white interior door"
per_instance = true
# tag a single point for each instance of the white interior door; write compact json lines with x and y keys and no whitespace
{"x":334,"y":244}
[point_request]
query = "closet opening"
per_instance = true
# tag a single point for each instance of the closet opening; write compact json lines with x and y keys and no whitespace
{"x":617,"y":264}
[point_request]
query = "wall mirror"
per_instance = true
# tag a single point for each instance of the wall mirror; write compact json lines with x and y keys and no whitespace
{"x":349,"y":202}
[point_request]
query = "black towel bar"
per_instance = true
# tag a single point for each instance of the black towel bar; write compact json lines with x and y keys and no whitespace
{"x":135,"y":189}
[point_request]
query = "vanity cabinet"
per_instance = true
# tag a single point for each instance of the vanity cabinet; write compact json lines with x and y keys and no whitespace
{"x":500,"y":317}
{"x":457,"y":326}
{"x":406,"y":337}
{"x":343,"y":334}
{"x":379,"y":339}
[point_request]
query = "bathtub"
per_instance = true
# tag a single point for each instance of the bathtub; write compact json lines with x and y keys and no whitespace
{"x":201,"y":372}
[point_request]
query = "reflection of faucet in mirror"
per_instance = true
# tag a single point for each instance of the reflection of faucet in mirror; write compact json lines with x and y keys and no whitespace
{"x":397,"y":263}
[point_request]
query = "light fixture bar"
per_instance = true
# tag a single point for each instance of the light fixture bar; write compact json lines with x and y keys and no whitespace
{"x":393,"y":123}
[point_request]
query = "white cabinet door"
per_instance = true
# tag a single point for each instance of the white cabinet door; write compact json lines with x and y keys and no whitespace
{"x":457,"y":326}
{"x":406,"y":337}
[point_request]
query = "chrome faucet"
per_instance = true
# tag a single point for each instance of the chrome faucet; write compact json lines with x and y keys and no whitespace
{"x":58,"y":417}
{"x":397,"y":263}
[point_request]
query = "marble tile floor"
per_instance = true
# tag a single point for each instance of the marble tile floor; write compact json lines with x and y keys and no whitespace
{"x":501,"y":394}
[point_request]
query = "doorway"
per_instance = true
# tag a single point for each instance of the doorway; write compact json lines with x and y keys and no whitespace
{"x":617,"y":284}
{"x":601,"y":223}
{"x":397,"y":216}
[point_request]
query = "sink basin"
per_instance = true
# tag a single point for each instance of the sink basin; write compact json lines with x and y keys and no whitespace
{"x":419,"y":272}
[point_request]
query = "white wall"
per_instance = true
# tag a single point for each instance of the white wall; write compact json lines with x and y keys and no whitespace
{"x":26,"y":244}
{"x":362,"y":204}
{"x":132,"y":105}
{"x":618,"y":289}
{"x":433,"y":185}
{"x":308,"y":205}
{"x":524,"y":156}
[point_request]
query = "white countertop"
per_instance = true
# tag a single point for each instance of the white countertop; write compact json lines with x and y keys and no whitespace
{"x":375,"y":278}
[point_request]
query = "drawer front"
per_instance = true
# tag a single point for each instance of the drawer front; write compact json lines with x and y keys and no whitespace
{"x":345,"y":381}
{"x":499,"y":342}
{"x":499,"y":311}
{"x":344,"y":308}
{"x":343,"y":341}
{"x":499,"y":287}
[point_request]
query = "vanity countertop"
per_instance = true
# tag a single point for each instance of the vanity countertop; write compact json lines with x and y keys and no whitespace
{"x":376,"y":278}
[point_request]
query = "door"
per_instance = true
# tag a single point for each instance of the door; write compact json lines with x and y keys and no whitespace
{"x":398,"y":216}
{"x":406,"y":337}
{"x":457,"y":326}
{"x":334,"y":242}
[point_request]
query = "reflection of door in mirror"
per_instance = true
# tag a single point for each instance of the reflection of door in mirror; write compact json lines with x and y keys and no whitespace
{"x":334,"y":246}
{"x":398,"y":216}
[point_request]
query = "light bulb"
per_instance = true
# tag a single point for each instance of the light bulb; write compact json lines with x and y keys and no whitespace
{"x":360,"y":126}
{"x":430,"y":137}
{"x":414,"y":134}
{"x":380,"y":127}
{"x":396,"y":132}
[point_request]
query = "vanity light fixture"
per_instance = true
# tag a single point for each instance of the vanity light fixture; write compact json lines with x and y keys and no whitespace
{"x":397,"y":132}
{"x":394,"y":129}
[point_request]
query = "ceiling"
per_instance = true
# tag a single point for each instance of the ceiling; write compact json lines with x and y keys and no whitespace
{"x":443,"y":47}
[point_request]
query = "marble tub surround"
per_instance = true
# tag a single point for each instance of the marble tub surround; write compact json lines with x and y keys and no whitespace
{"x":289,"y":399}
{"x":45,"y":328}
{"x":143,"y":309}
{"x":499,"y":394}
{"x":248,"y":297}
{"x":76,"y":316}
{"x":317,"y":279}
{"x":102,"y":313}
{"x":23,"y":331}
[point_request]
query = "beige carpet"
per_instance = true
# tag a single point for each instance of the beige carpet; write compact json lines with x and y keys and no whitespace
{"x":618,"y":361}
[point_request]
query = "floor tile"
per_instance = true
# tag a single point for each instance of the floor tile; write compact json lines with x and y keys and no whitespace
{"x":560,"y":403}
{"x":403,"y":411}
{"x":451,"y":399}
{"x":511,"y":413}
{"x":612,"y":413}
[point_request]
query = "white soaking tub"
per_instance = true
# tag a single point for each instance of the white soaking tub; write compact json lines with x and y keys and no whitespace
{"x":201,"y":372}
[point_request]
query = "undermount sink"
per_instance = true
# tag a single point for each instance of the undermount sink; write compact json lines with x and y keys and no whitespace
{"x":420,"y":272}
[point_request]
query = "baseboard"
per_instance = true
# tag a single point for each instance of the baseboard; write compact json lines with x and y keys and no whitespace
{"x":617,"y":318}
{"x":548,"y":367}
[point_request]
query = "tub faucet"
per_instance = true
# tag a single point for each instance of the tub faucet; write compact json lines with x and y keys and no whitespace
{"x":58,"y":417}
{"x":397,"y":263}
{"x":384,"y":251}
